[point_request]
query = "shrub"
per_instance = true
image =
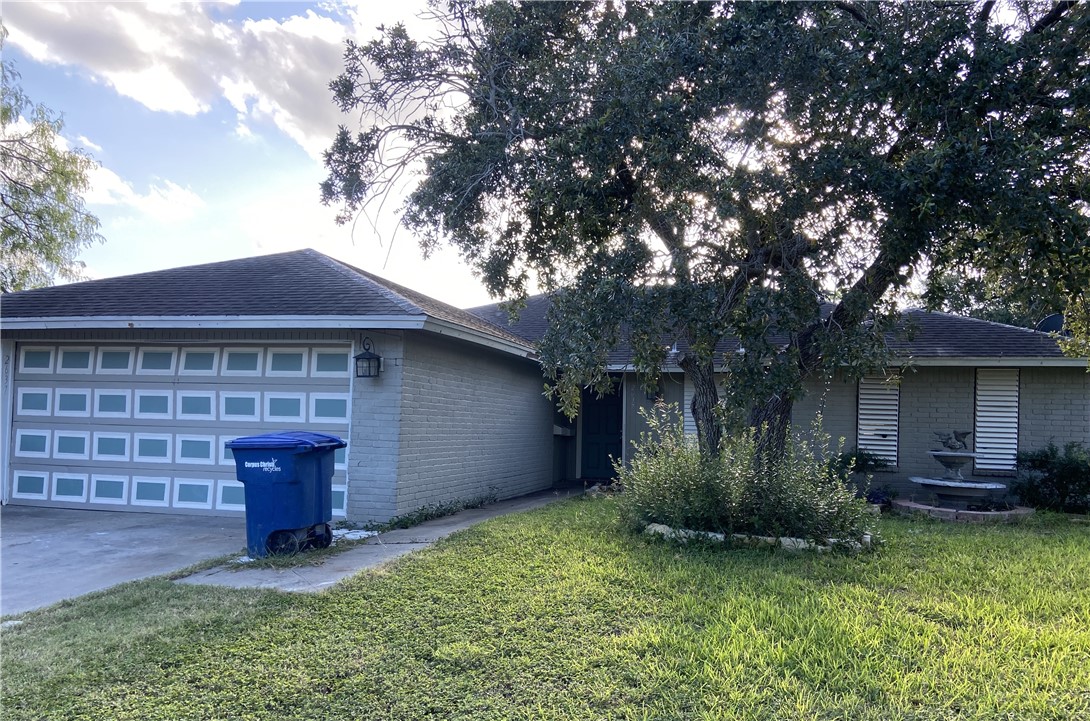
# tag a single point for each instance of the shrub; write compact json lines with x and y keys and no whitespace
{"x":856,"y":465}
{"x":801,"y":495}
{"x":1047,"y":479}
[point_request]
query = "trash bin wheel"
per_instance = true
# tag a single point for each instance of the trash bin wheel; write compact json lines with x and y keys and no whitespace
{"x":282,"y":543}
{"x":323,"y":536}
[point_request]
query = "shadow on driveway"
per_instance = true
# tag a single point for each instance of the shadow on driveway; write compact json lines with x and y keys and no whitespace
{"x":50,"y":554}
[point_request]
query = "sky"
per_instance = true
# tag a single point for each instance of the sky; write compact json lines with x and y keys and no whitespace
{"x":209,"y":121}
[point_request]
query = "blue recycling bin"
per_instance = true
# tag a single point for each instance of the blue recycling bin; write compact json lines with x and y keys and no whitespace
{"x":288,"y":479}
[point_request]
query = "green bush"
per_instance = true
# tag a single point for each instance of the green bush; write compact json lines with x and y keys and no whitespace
{"x":1047,"y":479}
{"x":801,"y":495}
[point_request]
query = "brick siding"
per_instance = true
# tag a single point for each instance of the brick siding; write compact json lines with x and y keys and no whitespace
{"x":473,"y":422}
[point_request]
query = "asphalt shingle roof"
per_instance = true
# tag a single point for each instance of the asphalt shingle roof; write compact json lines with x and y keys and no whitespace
{"x":933,"y":335}
{"x":303,"y":283}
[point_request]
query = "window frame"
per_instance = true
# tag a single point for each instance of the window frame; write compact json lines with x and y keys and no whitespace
{"x":889,"y":380}
{"x":47,"y":392}
{"x":85,"y":392}
{"x":90,"y":350}
{"x":103,"y":350}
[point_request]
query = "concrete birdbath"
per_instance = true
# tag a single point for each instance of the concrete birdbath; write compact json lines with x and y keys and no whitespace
{"x":953,"y":490}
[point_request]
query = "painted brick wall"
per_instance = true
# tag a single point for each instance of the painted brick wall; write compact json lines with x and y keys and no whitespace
{"x":472,"y":422}
{"x":673,"y":392}
{"x":376,"y":420}
{"x":1054,"y":405}
{"x":932,"y":399}
{"x":834,"y":399}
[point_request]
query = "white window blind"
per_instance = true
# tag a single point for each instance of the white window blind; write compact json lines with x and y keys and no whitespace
{"x":995,"y":432}
{"x":878,"y":418}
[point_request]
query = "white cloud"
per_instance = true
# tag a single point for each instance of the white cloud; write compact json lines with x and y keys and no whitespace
{"x":157,"y":88}
{"x":88,"y":143}
{"x":164,"y":202}
{"x":186,"y":57}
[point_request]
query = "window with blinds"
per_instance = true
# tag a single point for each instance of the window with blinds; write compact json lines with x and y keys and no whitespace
{"x":995,"y":431}
{"x":879,"y":416}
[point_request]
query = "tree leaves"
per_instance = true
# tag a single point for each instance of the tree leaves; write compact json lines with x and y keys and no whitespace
{"x":43,"y":220}
{"x":703,"y":172}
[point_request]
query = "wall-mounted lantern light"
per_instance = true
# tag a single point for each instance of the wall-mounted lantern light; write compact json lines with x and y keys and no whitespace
{"x":368,"y":363}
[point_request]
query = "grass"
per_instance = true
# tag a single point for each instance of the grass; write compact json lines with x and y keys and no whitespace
{"x":557,"y":614}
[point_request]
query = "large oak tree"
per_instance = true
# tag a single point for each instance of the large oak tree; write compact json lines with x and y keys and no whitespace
{"x":705,"y":171}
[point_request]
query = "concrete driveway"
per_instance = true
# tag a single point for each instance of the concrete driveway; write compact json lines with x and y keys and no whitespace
{"x":50,"y":554}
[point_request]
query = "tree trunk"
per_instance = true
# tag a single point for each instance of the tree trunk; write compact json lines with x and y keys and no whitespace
{"x":705,"y":399}
{"x":772,"y":420}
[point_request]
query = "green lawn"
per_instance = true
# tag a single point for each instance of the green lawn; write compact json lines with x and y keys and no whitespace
{"x":558,"y":614}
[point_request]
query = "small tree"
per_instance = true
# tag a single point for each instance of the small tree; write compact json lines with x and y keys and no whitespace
{"x":710,"y":172}
{"x":43,"y":221}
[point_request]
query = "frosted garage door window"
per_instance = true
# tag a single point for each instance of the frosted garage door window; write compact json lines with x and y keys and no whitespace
{"x":328,"y":407}
{"x":112,"y":404}
{"x":283,"y":408}
{"x":109,"y":489}
{"x":195,"y":449}
{"x":32,"y":443}
{"x":330,"y":363}
{"x":150,"y":491}
{"x":111,"y":447}
{"x":34,"y":401}
{"x":73,"y":402}
{"x":70,"y":444}
{"x":156,"y":361}
{"x":36,"y":360}
{"x":30,"y":485}
{"x":115,"y":360}
{"x":69,"y":487}
{"x":242,"y":362}
{"x":75,"y":360}
{"x":196,"y":405}
{"x":239,"y":406}
{"x":153,"y":448}
{"x":287,"y":362}
{"x":152,"y":405}
{"x":199,"y":362}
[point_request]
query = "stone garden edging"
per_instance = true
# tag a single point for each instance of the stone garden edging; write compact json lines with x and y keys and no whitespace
{"x":785,"y":542}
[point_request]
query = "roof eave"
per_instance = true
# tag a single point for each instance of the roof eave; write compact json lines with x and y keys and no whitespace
{"x":453,"y":330}
{"x":993,"y":361}
{"x":963,"y":362}
{"x":217,"y":321}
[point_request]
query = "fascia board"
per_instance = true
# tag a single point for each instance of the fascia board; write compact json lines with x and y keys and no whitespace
{"x":378,"y":322}
{"x":963,"y":362}
{"x":992,"y":362}
{"x":453,"y":330}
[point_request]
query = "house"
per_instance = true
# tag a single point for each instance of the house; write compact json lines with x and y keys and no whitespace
{"x":120,"y":393}
{"x":1012,"y":387}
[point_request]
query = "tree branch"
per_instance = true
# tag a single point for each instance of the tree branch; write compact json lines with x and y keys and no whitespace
{"x":1052,"y":16}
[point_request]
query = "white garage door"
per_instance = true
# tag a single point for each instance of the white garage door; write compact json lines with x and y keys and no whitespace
{"x":143,"y":427}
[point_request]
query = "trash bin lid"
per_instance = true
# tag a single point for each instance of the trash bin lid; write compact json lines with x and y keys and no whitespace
{"x":288,"y":439}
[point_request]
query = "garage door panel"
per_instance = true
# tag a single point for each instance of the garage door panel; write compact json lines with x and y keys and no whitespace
{"x":143,"y":427}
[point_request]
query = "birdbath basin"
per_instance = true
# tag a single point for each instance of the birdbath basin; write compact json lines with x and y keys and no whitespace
{"x":958,"y":494}
{"x":953,"y":462}
{"x":952,"y":489}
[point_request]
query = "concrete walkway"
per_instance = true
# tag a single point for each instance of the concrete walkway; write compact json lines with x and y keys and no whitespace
{"x":371,"y":553}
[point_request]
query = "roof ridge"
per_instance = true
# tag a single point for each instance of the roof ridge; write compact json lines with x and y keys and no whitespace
{"x":948,"y":314}
{"x":426,"y":305}
{"x":373,"y":281}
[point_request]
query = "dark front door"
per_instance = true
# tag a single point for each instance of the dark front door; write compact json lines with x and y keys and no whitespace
{"x":600,"y":426}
